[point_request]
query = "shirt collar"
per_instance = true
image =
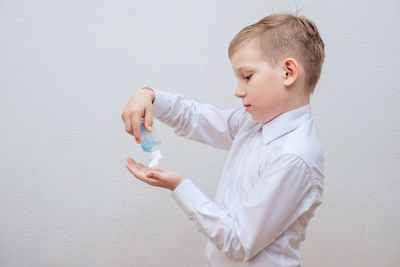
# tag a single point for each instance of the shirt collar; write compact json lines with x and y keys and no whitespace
{"x":284,"y":123}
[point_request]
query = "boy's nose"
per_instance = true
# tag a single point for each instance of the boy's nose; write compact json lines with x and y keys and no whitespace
{"x":239,"y":92}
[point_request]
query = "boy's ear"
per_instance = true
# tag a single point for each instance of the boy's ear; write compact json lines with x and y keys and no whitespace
{"x":290,"y":71}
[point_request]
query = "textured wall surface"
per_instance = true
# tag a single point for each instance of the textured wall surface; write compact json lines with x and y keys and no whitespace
{"x":67,"y":69}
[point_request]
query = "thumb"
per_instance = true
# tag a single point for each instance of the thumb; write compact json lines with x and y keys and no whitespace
{"x":149,"y":118}
{"x":152,"y":174}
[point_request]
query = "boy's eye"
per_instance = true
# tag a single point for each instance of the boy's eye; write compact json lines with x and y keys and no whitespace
{"x":248,"y":77}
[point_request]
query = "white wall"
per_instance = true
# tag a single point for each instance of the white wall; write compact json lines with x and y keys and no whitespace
{"x":67,"y":69}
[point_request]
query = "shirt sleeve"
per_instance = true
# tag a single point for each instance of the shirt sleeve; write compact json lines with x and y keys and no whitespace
{"x":281,"y":195}
{"x":198,"y":122}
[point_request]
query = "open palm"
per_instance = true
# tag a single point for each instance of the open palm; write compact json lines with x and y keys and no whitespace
{"x":154,"y":177}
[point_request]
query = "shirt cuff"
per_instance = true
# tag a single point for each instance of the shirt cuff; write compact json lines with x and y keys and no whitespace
{"x":161,"y":104}
{"x":189,"y":197}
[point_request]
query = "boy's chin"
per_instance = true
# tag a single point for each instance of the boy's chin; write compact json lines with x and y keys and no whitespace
{"x":257,"y":119}
{"x":262,"y":119}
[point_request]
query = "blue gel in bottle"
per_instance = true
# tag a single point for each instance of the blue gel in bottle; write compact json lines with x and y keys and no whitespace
{"x":151,"y":143}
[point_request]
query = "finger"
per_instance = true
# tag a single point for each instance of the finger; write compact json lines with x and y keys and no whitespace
{"x":128,"y":125}
{"x":137,"y":165}
{"x":141,"y":167}
{"x":152,"y":174}
{"x":130,"y":160}
{"x":144,"y":168}
{"x":132,"y":163}
{"x":132,"y":167}
{"x":141,"y":176}
{"x":149,"y":118}
{"x":135,"y":118}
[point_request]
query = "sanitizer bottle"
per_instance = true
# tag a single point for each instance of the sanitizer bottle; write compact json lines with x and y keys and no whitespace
{"x":151,"y":143}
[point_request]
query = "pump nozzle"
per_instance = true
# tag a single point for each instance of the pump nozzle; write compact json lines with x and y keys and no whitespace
{"x":156,"y":157}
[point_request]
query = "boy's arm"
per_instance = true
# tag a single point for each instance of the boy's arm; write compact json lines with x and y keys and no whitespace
{"x":199,"y":122}
{"x":285,"y":191}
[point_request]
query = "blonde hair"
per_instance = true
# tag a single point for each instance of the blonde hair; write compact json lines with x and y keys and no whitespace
{"x":285,"y":35}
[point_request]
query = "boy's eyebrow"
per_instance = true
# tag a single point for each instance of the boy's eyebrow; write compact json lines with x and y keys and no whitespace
{"x":241,"y":68}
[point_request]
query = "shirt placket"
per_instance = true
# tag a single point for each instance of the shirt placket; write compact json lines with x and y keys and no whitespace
{"x":240,"y":172}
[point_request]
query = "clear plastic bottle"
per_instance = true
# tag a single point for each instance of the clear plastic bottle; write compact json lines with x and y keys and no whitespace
{"x":151,"y":143}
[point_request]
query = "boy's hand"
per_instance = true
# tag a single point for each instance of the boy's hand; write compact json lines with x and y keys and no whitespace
{"x":140,"y":105}
{"x":154,"y":177}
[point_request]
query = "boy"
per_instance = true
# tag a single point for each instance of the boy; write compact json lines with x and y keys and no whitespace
{"x":273,"y":177}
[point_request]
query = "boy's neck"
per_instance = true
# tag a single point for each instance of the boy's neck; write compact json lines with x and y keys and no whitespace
{"x":298,"y":99}
{"x":298,"y":103}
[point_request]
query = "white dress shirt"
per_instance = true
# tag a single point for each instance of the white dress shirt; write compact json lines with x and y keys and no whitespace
{"x":270,"y":185}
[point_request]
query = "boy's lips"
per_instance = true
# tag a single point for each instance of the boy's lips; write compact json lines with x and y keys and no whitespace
{"x":247,"y":107}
